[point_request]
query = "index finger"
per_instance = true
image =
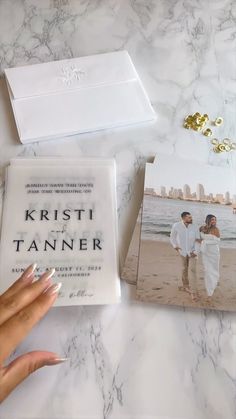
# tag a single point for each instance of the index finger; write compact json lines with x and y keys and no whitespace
{"x":13,"y":331}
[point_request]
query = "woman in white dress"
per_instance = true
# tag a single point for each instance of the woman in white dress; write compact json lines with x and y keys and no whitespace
{"x":210,"y":251}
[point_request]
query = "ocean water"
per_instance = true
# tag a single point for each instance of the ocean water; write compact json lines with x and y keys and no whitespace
{"x":159,"y":214}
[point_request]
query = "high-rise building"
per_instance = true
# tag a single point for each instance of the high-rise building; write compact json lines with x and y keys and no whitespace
{"x":227,"y":198}
{"x":171,"y":192}
{"x":150,"y":191}
{"x":186,"y":191}
{"x":200,"y":192}
{"x":176,"y":194}
{"x":163,"y":192}
{"x":219,"y":198}
{"x":180,"y":193}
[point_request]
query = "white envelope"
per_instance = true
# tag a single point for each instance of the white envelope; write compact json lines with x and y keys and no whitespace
{"x":77,"y":95}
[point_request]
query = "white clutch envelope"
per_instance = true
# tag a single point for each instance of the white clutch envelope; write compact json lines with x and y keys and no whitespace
{"x":77,"y":95}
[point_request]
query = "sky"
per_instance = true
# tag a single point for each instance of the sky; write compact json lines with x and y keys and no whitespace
{"x":173,"y":171}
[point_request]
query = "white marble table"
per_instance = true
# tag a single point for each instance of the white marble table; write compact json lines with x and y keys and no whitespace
{"x":133,"y":360}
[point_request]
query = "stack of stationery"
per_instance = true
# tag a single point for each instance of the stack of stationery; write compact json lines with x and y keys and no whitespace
{"x":61,"y":213}
{"x":183,"y":249}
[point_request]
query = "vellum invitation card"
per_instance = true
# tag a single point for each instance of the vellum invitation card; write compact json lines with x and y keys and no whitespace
{"x":187,"y":252}
{"x":62,"y":214}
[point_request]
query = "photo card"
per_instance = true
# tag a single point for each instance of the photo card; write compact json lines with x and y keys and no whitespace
{"x":187,"y":253}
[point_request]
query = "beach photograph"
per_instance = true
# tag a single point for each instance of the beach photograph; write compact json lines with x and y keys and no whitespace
{"x":187,"y":253}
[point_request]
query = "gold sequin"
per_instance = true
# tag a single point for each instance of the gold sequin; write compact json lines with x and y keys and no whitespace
{"x":198,"y":122}
{"x":207,"y":132}
{"x":221,"y":147}
{"x":219,"y":121}
{"x":188,"y":118}
{"x":195,"y":122}
{"x":186,"y":125}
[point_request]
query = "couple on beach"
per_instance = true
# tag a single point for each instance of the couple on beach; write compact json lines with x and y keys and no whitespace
{"x":189,"y":240}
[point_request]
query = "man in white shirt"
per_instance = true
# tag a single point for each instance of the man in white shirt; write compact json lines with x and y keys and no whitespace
{"x":185,"y":238}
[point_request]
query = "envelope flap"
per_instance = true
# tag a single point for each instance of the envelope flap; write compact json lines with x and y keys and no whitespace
{"x":70,"y":74}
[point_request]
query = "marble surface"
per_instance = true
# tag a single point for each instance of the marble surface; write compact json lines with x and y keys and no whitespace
{"x":132,"y":360}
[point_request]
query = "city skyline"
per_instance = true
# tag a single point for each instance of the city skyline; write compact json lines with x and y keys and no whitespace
{"x":186,"y":193}
{"x":172,"y":171}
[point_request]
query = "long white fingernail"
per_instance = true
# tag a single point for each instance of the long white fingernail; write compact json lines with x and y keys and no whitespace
{"x":51,"y":272}
{"x":55,"y":361}
{"x":53,"y":289}
{"x":47,"y":275}
{"x":29,"y":271}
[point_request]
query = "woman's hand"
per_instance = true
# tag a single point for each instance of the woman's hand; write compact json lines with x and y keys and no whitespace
{"x":21,"y":307}
{"x":177,"y":248}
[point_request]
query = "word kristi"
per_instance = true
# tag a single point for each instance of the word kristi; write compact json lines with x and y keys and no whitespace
{"x":56,"y":215}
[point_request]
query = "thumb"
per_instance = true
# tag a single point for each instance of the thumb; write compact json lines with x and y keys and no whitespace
{"x":22,"y":367}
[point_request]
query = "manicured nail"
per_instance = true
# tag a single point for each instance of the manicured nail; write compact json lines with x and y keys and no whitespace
{"x":29,"y":271}
{"x":53,"y":289}
{"x":55,"y":361}
{"x":47,"y":275}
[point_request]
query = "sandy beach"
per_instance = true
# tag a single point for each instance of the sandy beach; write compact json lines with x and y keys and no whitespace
{"x":160,"y":276}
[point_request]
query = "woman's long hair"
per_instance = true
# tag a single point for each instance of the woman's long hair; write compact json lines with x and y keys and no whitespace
{"x":208,"y":220}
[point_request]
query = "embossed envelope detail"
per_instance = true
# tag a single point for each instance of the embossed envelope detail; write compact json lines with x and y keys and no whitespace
{"x":77,"y":95}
